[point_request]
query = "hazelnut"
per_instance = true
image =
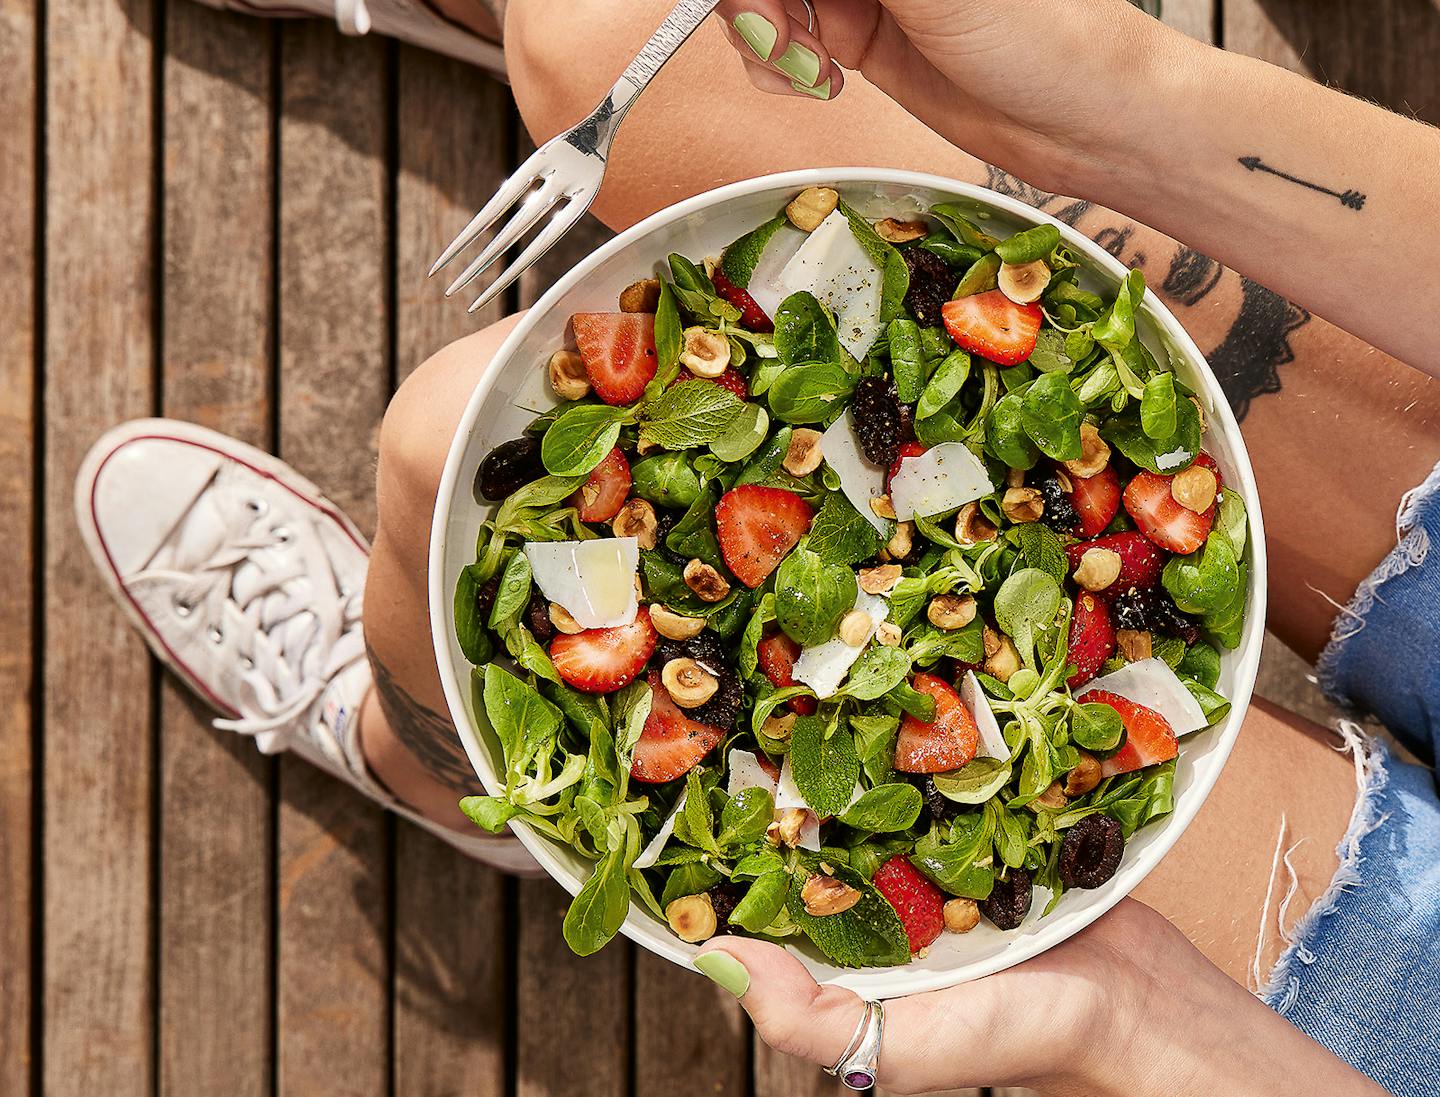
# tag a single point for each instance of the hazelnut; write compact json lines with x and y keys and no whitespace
{"x":1195,"y":488}
{"x":811,"y":206}
{"x":1200,"y":411}
{"x":1099,"y":568}
{"x":901,"y":541}
{"x":778,"y":725}
{"x":879,"y":580}
{"x":675,"y":626}
{"x":803,"y":455}
{"x":882,"y":506}
{"x":1052,"y":799}
{"x":636,"y":519}
{"x":692,"y":917}
{"x":950,"y":611}
{"x":706,"y":353}
{"x":567,"y":375}
{"x":1022,"y":505}
{"x":972,"y":527}
{"x":855,"y":628}
{"x":1134,"y":644}
{"x":641,"y":296}
{"x":1084,"y":777}
{"x":1094,"y":453}
{"x":1023,"y":283}
{"x":825,"y":895}
{"x":1062,"y":478}
{"x":901,"y":232}
{"x":889,"y":634}
{"x":644,"y":447}
{"x":689,"y":684}
{"x":563,"y":622}
{"x":1014,"y":478}
{"x":1002,"y":659}
{"x":961,"y":915}
{"x":785,"y":830}
{"x":707,"y":584}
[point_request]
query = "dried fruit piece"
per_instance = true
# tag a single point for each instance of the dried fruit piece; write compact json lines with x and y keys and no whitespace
{"x":1091,"y":852}
{"x":931,"y":281}
{"x":509,"y":467}
{"x":875,"y":410}
{"x":1009,"y":899}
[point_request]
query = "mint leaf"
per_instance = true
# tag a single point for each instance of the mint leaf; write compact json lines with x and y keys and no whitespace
{"x":691,"y":413}
{"x":825,"y":769}
{"x":840,"y":534}
{"x":869,"y":934}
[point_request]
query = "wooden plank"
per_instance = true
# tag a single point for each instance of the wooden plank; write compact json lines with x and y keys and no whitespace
{"x":98,"y":732}
{"x":451,"y":962}
{"x":334,"y":916}
{"x":215,"y":813}
{"x":1195,"y":17}
{"x":706,"y":1033}
{"x":778,"y":1075}
{"x":19,"y":31}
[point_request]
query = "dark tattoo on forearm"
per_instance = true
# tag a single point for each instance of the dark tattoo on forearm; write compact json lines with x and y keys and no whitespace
{"x":425,"y":733}
{"x":1191,"y":276}
{"x":1350,"y":199}
{"x":1247,"y":362}
{"x":1064,"y":209}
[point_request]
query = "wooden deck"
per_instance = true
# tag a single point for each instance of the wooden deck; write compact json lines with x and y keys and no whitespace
{"x":225,"y":220}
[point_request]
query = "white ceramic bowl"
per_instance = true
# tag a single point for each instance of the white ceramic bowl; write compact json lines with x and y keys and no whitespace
{"x":702,"y":226}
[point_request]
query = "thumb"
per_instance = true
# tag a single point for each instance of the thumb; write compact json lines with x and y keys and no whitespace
{"x":792,"y":1013}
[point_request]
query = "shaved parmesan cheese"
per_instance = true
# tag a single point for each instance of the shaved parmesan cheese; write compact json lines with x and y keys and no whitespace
{"x":1152,"y":683}
{"x":943,"y":478}
{"x":747,"y":772}
{"x":1173,"y":459}
{"x":787,"y":793}
{"x":651,"y":853}
{"x":992,"y":743}
{"x":860,"y":480}
{"x":824,"y":666}
{"x":764,"y":287}
{"x":810,"y":832}
{"x":833,"y":266}
{"x":594,"y":580}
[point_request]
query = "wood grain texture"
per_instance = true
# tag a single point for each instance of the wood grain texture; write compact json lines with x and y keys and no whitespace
{"x":451,"y":964}
{"x":333,"y":888}
{"x":706,"y":1034}
{"x":19,"y":32}
{"x":215,"y":810}
{"x":1195,"y":17}
{"x":98,"y":1012}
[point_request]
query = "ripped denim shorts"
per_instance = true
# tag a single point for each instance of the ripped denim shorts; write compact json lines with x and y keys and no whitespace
{"x":1362,"y":973}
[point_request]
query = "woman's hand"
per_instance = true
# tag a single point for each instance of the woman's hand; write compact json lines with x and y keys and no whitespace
{"x":1126,"y":1007}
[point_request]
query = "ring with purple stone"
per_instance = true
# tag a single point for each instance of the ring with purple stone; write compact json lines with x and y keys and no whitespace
{"x":858,"y":1062}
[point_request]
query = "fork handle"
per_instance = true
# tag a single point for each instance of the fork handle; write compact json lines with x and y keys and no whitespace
{"x":595,"y":134}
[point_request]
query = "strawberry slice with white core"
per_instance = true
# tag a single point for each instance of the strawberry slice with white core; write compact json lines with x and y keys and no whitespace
{"x":671,"y":744}
{"x":1092,"y":638}
{"x":1161,"y":519}
{"x":993,"y":326}
{"x":601,"y":496}
{"x":1149,"y":738}
{"x":602,"y":660}
{"x":757,"y":527}
{"x":947,"y":742}
{"x":1096,"y":499}
{"x":618,"y":349}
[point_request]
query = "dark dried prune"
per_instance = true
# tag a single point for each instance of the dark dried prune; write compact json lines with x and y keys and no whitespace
{"x":725,"y":897}
{"x":1091,"y":852}
{"x":876,"y":410}
{"x":937,"y":808}
{"x":1009,"y":900}
{"x":723,"y":708}
{"x":485,"y":597}
{"x":537,"y":617}
{"x":1153,"y":610}
{"x":1059,"y":513}
{"x":507,"y":468}
{"x":931,"y":282}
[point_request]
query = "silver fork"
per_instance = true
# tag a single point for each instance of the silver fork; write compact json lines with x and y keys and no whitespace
{"x":561,"y":178}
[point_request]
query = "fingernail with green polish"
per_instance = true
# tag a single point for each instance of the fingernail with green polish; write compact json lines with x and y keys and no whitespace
{"x":759,"y":33}
{"x":720,"y":967}
{"x":820,"y":91}
{"x":800,"y":64}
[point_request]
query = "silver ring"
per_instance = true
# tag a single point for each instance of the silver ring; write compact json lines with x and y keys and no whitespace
{"x":810,"y":11}
{"x":858,"y":1062}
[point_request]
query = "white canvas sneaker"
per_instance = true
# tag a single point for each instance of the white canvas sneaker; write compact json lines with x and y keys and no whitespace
{"x":247,"y":583}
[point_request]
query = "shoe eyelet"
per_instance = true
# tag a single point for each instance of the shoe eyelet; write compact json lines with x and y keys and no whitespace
{"x":216,"y":636}
{"x":257,"y":506}
{"x":247,"y":662}
{"x":282,"y":535}
{"x":182,"y":608}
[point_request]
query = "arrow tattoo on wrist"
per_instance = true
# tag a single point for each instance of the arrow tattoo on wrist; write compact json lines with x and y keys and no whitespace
{"x":1350,"y":199}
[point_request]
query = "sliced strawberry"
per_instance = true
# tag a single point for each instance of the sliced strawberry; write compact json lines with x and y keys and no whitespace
{"x":907,"y":449}
{"x":757,"y":526}
{"x":618,"y":349}
{"x":1092,"y":639}
{"x":1149,"y":739}
{"x":947,"y":742}
{"x":920,"y":904}
{"x":1096,"y":499}
{"x":1140,"y":561}
{"x":777,"y":654}
{"x":993,"y":326}
{"x":733,"y":380}
{"x":1161,"y":519}
{"x":751,"y":314}
{"x":771,"y":769}
{"x":670,"y":743}
{"x":603,"y":494}
{"x":601,"y":660}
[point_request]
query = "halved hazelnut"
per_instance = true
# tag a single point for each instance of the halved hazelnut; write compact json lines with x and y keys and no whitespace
{"x":689,"y":684}
{"x":785,"y":830}
{"x":803,"y":455}
{"x":706,"y":353}
{"x":1002,"y":659}
{"x":1052,"y":799}
{"x":675,"y":626}
{"x":880,"y":579}
{"x":901,"y":232}
{"x":882,"y":506}
{"x":961,"y":915}
{"x":1023,"y":283}
{"x":811,"y":206}
{"x":562,"y":620}
{"x":1195,"y":488}
{"x":1099,"y":568}
{"x":567,"y":375}
{"x":641,"y":296}
{"x":950,"y":611}
{"x":1200,"y":411}
{"x":1084,"y":777}
{"x":1094,"y":453}
{"x":1134,"y":644}
{"x":1022,"y":504}
{"x":778,"y":725}
{"x":972,"y":527}
{"x":889,"y":634}
{"x":636,"y":519}
{"x":707,"y":584}
{"x":692,"y":917}
{"x":901,"y":541}
{"x":825,"y":895}
{"x":855,"y":628}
